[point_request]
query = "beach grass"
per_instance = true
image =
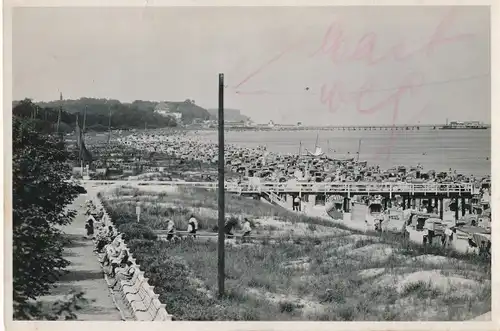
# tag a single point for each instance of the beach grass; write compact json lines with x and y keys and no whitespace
{"x":345,"y":276}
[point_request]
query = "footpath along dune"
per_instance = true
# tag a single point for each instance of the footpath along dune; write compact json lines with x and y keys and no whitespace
{"x":84,"y":274}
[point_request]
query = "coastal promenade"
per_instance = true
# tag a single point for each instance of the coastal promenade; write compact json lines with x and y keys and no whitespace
{"x":84,"y":273}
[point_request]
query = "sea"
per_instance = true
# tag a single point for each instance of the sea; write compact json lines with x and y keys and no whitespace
{"x":466,"y":151}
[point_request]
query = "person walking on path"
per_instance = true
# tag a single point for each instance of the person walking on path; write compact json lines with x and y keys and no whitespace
{"x":89,"y":226}
{"x":247,"y":230}
{"x":170,"y":229}
{"x":193,"y":226}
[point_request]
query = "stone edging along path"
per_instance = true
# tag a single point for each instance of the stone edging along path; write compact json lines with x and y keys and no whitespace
{"x":135,"y":294}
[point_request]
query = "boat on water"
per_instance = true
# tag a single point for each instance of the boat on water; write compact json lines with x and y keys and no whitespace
{"x":471,"y":125}
{"x":317,"y":152}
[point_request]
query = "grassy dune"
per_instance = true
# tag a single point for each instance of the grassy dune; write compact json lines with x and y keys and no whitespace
{"x":346,"y":275}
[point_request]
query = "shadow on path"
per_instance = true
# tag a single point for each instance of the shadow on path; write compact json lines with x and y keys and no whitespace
{"x":80,"y":275}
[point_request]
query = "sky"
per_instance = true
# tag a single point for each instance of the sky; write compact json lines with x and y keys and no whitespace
{"x":317,"y":65}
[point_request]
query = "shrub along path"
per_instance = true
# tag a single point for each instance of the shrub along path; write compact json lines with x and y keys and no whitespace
{"x":85,"y":273}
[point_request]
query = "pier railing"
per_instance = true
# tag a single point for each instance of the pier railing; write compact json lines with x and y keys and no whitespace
{"x":311,"y":188}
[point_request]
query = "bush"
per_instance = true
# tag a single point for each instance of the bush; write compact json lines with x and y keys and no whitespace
{"x":136,"y":231}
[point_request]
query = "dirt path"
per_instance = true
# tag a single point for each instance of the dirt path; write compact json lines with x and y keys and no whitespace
{"x":85,"y":274}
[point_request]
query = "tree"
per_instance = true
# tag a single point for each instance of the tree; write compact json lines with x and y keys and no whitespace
{"x":41,"y":190}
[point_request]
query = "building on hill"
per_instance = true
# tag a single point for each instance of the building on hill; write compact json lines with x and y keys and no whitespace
{"x":166,"y":109}
{"x":187,"y":109}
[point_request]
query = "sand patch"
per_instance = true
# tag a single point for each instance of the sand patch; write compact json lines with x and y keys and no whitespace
{"x":376,"y":252}
{"x":279,"y":227}
{"x":446,"y":284}
{"x":342,"y":249}
{"x":437,"y":280}
{"x":359,"y":237}
{"x":299,"y":264}
{"x":308,"y":307}
{"x":370,"y":273}
{"x":439,"y":261}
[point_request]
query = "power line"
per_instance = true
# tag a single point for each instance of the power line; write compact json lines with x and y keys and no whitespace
{"x":307,"y":89}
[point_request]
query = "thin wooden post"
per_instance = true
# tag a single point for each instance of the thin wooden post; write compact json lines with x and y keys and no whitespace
{"x":220,"y":248}
{"x":462,"y":202}
{"x":84,"y":122}
{"x":59,"y":113}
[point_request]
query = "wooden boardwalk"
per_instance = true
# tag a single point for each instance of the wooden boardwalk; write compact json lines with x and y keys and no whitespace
{"x":348,"y":189}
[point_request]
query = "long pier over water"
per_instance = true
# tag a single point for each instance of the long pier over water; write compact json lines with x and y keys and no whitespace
{"x":399,"y":127}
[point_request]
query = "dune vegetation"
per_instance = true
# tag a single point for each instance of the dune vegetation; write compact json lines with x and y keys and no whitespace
{"x":303,"y":269}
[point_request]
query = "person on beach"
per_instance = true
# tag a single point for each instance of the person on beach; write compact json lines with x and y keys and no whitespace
{"x":170,"y":229}
{"x":192,"y":226}
{"x":449,"y":233}
{"x":247,"y":230}
{"x":296,"y":203}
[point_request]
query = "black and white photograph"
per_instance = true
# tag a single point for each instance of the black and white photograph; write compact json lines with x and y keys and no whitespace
{"x":265,"y":163}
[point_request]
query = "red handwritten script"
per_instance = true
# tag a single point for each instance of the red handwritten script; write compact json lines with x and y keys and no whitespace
{"x":340,"y":50}
{"x":335,"y":96}
{"x":335,"y":44}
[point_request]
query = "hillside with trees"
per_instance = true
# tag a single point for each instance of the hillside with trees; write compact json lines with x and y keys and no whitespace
{"x":100,"y":107}
{"x":123,"y":116}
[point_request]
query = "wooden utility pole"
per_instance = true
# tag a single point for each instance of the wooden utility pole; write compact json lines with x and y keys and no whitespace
{"x":220,"y":249}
